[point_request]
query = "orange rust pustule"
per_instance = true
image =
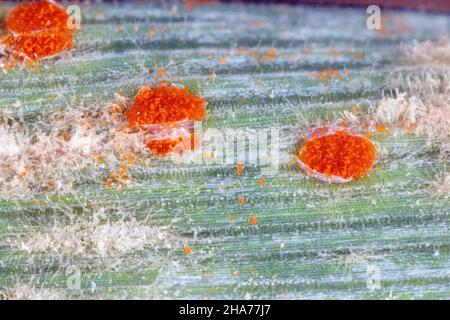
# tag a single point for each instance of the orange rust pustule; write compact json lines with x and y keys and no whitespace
{"x":339,"y":154}
{"x":37,"y":30}
{"x":164,"y":106}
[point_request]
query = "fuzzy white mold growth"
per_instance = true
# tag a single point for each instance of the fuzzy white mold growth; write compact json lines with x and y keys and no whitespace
{"x":51,"y":157}
{"x":11,"y":144}
{"x":430,"y":53}
{"x":441,"y":187}
{"x":423,"y":109}
{"x":28,"y":292}
{"x":413,"y":115}
{"x":96,"y":238}
{"x":400,"y":111}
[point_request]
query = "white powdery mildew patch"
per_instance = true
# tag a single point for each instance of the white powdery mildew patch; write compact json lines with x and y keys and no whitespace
{"x":11,"y":144}
{"x":430,"y":119}
{"x":430,"y":53}
{"x":28,"y":292}
{"x":51,"y":160}
{"x":425,"y":106}
{"x":399,"y":112}
{"x":96,"y":238}
{"x":441,"y":187}
{"x":423,"y":110}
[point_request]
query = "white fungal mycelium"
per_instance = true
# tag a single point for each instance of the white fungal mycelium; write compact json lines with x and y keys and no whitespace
{"x":51,"y":157}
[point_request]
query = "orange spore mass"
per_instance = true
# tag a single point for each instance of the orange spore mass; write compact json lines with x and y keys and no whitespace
{"x":339,"y":154}
{"x":252,"y":220}
{"x":37,"y":30}
{"x":240,"y":168}
{"x":187,"y":250}
{"x":162,"y":107}
{"x":163,"y":147}
{"x":165,"y":104}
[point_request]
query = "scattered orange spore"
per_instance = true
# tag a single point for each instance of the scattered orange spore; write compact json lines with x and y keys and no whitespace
{"x":240,"y":168}
{"x":254,"y":54}
{"x":243,"y":101}
{"x":368,"y":135}
{"x":253,"y":220}
{"x":161,"y":107}
{"x":161,"y":72}
{"x":381,"y":128}
{"x":232,"y":217}
{"x":222,"y":60}
{"x":187,"y":250}
{"x":128,"y":157}
{"x":36,"y":31}
{"x":117,"y":179}
{"x":359,"y":55}
{"x":262,"y":181}
{"x":241,"y":201}
{"x":335,"y":53}
{"x":271,"y":55}
{"x":326,"y":75}
{"x":339,"y":154}
{"x":151,"y":33}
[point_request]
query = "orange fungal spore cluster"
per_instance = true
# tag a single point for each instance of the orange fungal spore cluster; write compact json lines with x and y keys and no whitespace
{"x":338,"y":154}
{"x":36,"y":31}
{"x":163,"y":146}
{"x":326,"y":75}
{"x":165,"y":104}
{"x":163,"y":112}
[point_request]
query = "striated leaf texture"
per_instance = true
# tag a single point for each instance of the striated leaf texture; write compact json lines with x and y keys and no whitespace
{"x":384,"y":237}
